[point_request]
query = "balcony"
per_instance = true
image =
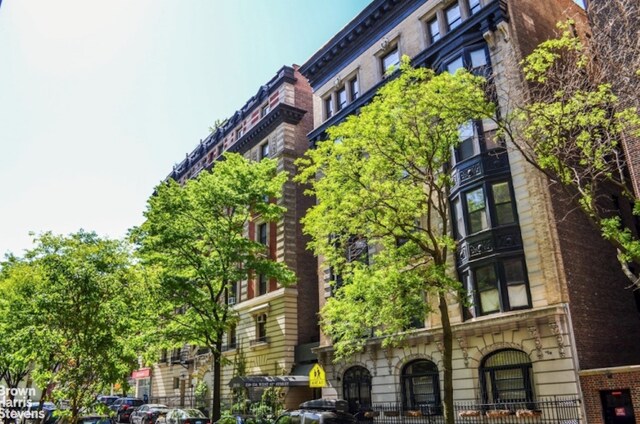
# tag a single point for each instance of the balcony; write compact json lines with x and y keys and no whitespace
{"x":504,"y":239}
{"x":493,"y":162}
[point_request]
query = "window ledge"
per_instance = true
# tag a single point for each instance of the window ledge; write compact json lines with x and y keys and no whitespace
{"x":259,"y":343}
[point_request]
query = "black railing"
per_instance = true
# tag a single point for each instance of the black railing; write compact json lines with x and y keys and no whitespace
{"x":557,"y":410}
{"x":259,"y":340}
{"x":174,"y":401}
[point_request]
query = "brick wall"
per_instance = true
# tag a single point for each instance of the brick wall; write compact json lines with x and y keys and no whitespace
{"x":592,"y":382}
{"x":306,"y":261}
{"x":605,"y":318}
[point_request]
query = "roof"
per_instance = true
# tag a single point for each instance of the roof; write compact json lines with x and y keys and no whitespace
{"x":363,"y":30}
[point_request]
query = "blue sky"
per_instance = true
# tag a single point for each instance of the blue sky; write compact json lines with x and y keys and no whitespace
{"x":98,"y":99}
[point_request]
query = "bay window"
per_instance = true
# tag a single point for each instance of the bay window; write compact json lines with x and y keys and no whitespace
{"x":496,"y":286}
{"x":502,"y":203}
{"x":474,"y":6}
{"x":489,"y":205}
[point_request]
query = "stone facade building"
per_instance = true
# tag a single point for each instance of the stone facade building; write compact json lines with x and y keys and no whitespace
{"x":548,"y":297}
{"x":277,"y":326}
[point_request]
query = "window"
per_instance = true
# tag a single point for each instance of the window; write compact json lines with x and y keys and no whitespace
{"x":455,"y":64}
{"x":420,"y":386}
{"x":475,"y":59}
{"x":490,"y":132}
{"x":468,"y":146}
{"x":488,"y":206}
{"x":434,"y":30}
{"x":498,"y":286}
{"x":502,"y":203}
{"x":478,"y":58}
{"x":163,"y":355}
{"x":358,"y":250}
{"x":516,"y":283}
{"x":506,"y":376}
{"x":389,"y":60}
{"x":176,"y":382}
{"x":477,"y":210}
{"x":328,"y":107}
{"x":238,"y":133}
{"x":263,"y":283}
{"x":232,"y":337}
{"x":454,"y":19}
{"x":264,"y":150}
{"x":341,"y":95}
{"x":263,"y":233}
{"x":356,"y":388}
{"x":354,"y":87}
{"x":233,"y":294}
{"x":264,"y":110}
{"x":261,"y":328}
{"x":487,"y":287}
{"x":459,"y":218}
{"x":474,"y":6}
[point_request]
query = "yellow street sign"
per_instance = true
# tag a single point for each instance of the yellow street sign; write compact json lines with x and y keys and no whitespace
{"x":317,"y":377}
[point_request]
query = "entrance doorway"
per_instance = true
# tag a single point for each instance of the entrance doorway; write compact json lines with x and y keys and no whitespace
{"x":617,"y":407}
{"x":356,"y":387}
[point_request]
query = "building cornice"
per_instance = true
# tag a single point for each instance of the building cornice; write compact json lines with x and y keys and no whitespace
{"x":472,"y":31}
{"x":359,"y":34}
{"x":282,"y":113}
{"x":286,"y":74}
{"x":507,"y":321}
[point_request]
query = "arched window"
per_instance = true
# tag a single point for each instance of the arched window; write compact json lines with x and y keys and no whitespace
{"x":506,"y":376}
{"x":356,"y":385}
{"x":420,"y":386}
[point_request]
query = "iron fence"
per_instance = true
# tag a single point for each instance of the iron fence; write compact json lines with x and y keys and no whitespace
{"x":557,"y":410}
{"x":186,"y":401}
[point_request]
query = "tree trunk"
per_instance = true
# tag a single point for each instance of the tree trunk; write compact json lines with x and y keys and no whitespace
{"x":74,"y":411}
{"x":447,"y":360}
{"x":217,"y":379}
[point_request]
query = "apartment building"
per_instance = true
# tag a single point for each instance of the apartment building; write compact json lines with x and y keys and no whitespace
{"x":548,"y":297}
{"x":277,"y":326}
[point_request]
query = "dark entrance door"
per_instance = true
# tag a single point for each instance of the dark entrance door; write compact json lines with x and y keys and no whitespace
{"x":617,"y":407}
{"x":357,"y":389}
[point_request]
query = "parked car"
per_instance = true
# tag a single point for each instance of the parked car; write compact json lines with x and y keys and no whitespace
{"x":123,"y":407}
{"x":186,"y":416}
{"x":33,"y":408}
{"x":87,"y":419}
{"x":147,"y":414}
{"x":94,"y":419}
{"x":106,"y":399}
{"x":321,"y":411}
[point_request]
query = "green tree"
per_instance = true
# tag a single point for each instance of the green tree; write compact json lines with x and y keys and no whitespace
{"x":73,"y":295}
{"x":381,"y":180}
{"x":195,"y":238}
{"x":574,"y":129}
{"x":15,"y":344}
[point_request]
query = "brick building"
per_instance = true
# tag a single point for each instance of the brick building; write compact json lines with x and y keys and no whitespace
{"x":277,"y":326}
{"x":612,"y":392}
{"x":549,"y":298}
